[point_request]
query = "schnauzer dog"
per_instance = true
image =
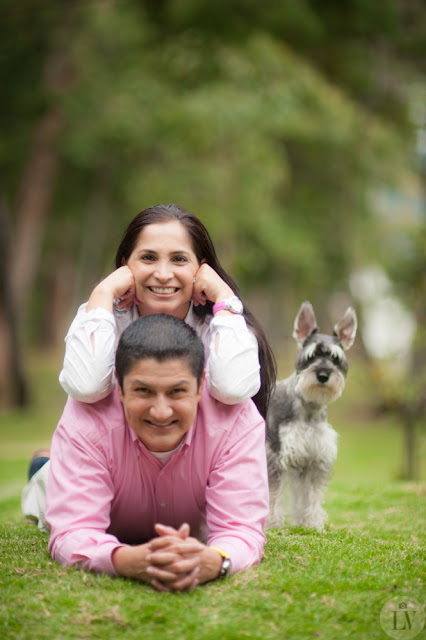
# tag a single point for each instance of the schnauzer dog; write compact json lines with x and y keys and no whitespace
{"x":301,"y":445}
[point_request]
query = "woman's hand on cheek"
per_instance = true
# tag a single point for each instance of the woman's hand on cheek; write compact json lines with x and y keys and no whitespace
{"x":119,"y":284}
{"x":123,"y":287}
{"x":209,"y":285}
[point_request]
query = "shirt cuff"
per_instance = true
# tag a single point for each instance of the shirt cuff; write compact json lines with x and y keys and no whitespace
{"x":242,"y":554}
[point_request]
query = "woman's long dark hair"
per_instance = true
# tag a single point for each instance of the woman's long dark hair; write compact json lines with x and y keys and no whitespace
{"x":204,"y":250}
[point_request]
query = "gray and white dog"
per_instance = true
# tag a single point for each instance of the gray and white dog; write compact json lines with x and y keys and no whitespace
{"x":301,"y":445}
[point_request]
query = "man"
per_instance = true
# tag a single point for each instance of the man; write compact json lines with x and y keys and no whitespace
{"x":133,"y":474}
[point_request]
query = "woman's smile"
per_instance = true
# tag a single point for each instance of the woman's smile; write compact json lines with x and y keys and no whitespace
{"x":163,"y":290}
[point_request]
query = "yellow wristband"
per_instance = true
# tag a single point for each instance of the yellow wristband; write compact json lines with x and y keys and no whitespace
{"x":222,"y":553}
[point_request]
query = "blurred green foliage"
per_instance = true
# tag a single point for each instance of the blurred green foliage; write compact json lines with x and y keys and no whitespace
{"x":273,"y":123}
{"x":279,"y":124}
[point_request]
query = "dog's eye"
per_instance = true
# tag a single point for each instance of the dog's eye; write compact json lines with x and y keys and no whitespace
{"x":310,"y":352}
{"x":336,"y":354}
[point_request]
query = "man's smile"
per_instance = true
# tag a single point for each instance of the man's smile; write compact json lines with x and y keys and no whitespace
{"x":161,"y":425}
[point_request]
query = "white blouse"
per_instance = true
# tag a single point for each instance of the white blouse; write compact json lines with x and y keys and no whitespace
{"x":232,"y":359}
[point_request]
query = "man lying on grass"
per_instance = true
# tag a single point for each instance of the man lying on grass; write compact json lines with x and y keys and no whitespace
{"x":132,"y":475}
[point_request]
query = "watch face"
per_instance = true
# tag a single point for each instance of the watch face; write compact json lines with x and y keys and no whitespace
{"x":234,"y":304}
{"x":226,"y":568}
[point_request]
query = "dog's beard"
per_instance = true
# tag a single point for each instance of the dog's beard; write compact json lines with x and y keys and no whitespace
{"x":313,"y":391}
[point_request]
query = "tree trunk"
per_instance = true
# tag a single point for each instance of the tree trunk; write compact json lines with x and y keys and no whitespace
{"x":35,"y":197}
{"x":13,"y":390}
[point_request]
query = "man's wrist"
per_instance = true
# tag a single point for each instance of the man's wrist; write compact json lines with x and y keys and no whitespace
{"x":226,"y":564}
{"x":210,"y":565}
{"x":130,"y":562}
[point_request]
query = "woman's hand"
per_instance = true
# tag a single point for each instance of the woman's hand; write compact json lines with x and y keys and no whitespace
{"x":119,"y":284}
{"x":209,"y":285}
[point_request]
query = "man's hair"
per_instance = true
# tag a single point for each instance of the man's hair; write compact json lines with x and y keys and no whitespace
{"x":159,"y":337}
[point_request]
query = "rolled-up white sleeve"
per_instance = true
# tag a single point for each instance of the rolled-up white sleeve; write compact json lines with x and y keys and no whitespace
{"x":233,"y":369}
{"x":88,"y":370}
{"x":78,"y":502}
{"x":238,"y":498}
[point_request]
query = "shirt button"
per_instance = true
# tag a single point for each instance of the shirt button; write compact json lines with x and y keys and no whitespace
{"x":163,"y":504}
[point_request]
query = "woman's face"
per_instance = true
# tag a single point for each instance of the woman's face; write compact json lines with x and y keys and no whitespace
{"x":164,"y":264}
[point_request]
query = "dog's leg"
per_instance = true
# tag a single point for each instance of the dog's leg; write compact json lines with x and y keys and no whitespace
{"x":277,"y":482}
{"x":307,"y":495}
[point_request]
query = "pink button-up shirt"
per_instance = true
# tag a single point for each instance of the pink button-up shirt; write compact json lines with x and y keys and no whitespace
{"x":105,"y":488}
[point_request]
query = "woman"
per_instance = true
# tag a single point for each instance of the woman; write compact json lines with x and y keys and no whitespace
{"x":166,"y":263}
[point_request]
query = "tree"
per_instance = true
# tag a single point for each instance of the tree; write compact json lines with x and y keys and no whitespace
{"x":273,"y":122}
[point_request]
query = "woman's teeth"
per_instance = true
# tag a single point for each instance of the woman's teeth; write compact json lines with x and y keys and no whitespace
{"x":163,"y":289}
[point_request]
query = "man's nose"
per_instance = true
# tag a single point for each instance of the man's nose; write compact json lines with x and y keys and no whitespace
{"x":161,"y":410}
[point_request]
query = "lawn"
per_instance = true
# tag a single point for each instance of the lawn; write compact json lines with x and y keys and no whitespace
{"x":329,"y":586}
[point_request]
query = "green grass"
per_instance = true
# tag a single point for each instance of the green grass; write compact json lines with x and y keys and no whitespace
{"x":330,"y":586}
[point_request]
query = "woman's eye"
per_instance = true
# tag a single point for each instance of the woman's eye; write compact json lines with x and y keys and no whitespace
{"x":147,"y":258}
{"x":179,"y":259}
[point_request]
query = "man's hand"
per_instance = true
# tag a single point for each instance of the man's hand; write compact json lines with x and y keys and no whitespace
{"x":192,"y":561}
{"x":172,"y":562}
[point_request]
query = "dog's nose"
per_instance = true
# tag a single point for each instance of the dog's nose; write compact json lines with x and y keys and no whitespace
{"x":323,"y":376}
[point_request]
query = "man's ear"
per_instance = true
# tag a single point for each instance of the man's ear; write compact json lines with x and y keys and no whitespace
{"x":120,"y":391}
{"x":201,"y":387}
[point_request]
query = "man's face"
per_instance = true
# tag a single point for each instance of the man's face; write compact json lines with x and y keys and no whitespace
{"x":160,"y":401}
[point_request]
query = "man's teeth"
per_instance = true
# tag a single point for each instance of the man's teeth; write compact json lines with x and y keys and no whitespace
{"x":161,"y":424}
{"x":163,"y":289}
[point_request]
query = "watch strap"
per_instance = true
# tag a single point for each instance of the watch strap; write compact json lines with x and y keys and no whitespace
{"x":232,"y":304}
{"x":226,"y":567}
{"x":219,"y":306}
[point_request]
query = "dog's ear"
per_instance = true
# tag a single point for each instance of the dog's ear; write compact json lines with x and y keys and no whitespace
{"x":345,"y":330}
{"x":305,"y":323}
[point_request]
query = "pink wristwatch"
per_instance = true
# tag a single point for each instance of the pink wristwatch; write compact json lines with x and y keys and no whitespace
{"x":232,"y":304}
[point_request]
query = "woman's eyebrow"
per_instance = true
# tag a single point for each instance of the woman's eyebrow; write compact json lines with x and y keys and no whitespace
{"x":176,"y":252}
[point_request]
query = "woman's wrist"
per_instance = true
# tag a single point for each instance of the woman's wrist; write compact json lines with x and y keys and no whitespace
{"x":223,"y":294}
{"x":101,"y":296}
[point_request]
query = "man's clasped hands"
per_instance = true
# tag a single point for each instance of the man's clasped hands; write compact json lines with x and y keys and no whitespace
{"x":173,"y":561}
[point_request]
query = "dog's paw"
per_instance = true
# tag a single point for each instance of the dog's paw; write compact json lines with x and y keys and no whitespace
{"x":314,"y":519}
{"x":274,"y":522}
